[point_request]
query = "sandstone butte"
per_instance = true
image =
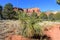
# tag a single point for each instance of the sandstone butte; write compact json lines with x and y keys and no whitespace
{"x":29,"y":10}
{"x":53,"y":32}
{"x":37,"y":10}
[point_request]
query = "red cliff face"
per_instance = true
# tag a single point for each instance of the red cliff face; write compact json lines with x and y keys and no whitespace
{"x":31,"y":10}
{"x":53,"y":32}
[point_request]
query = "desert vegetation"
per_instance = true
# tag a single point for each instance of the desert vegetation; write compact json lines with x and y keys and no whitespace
{"x":30,"y":26}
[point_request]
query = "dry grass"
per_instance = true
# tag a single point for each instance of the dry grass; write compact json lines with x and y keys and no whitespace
{"x":10,"y":27}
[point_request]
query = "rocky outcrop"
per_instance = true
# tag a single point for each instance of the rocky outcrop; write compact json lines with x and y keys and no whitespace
{"x":31,"y":10}
{"x":16,"y":9}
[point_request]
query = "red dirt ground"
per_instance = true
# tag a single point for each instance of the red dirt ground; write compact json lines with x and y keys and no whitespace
{"x":16,"y":37}
{"x":53,"y":32}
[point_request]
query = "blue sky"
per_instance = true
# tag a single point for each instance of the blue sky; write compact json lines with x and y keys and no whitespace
{"x":44,"y":5}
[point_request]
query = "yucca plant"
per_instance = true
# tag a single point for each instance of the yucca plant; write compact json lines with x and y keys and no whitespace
{"x":38,"y":28}
{"x":29,"y":25}
{"x":25,"y":24}
{"x":28,"y":31}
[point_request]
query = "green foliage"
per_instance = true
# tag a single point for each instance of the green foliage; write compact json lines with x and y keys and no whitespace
{"x":1,"y":12}
{"x":1,"y":8}
{"x":8,"y":12}
{"x":58,"y":2}
{"x":57,"y":16}
{"x":8,"y":7}
{"x":28,"y":23}
{"x":50,"y":17}
{"x":28,"y":30}
{"x":13,"y":15}
{"x":38,"y":29}
{"x":33,"y":17}
{"x":43,"y":16}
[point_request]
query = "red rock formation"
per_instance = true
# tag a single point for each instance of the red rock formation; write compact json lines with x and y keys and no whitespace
{"x":16,"y":9}
{"x":47,"y":13}
{"x":31,"y":10}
